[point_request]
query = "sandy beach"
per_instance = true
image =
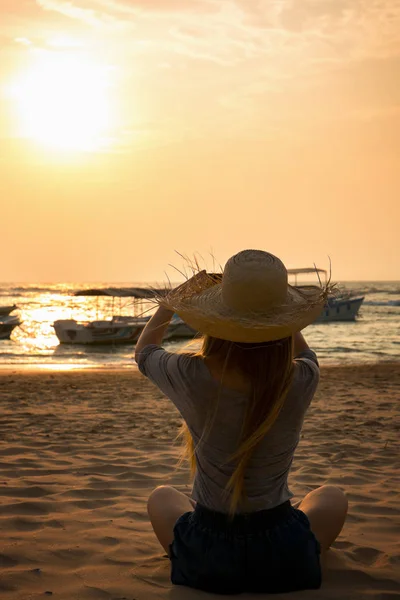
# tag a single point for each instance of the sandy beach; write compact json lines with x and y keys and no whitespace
{"x":80,"y":451}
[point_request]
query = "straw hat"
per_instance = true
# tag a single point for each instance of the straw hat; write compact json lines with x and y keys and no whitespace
{"x":250,"y":302}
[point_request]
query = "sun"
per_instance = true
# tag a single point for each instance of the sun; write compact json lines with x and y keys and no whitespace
{"x":63,"y":102}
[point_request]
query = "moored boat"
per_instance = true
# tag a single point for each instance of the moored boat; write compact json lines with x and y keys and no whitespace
{"x":7,"y":325}
{"x":112,"y":331}
{"x":119,"y":329}
{"x":178,"y":329}
{"x":340,"y":309}
{"x":343,"y":307}
{"x":8,"y":322}
{"x":6,"y":310}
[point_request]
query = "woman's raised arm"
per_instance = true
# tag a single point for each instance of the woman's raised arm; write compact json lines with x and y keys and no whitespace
{"x":154,"y":331}
{"x":299,"y":344}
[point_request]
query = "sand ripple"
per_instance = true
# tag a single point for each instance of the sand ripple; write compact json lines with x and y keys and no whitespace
{"x":80,"y":453}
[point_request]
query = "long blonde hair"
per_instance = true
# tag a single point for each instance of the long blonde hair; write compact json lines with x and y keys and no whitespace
{"x":269,"y":369}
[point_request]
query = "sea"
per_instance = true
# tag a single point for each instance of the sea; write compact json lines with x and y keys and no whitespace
{"x":373,"y":337}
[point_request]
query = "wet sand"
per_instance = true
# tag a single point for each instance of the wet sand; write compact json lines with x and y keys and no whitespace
{"x":80,"y":452}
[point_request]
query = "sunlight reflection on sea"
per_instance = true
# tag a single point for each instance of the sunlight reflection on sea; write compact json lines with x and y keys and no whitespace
{"x":375,"y":336}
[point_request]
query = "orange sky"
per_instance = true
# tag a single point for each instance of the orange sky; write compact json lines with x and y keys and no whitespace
{"x":131,"y":129}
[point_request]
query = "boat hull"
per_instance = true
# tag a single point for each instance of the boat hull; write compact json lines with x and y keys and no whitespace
{"x":179,"y":330}
{"x":119,"y":330}
{"x":7,"y":325}
{"x":345,"y":309}
{"x":6,"y":310}
{"x":69,"y":331}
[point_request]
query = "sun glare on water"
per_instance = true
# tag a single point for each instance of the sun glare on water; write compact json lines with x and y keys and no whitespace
{"x":63,"y":102}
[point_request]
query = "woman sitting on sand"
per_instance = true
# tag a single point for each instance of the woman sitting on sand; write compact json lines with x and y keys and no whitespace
{"x":243,"y":398}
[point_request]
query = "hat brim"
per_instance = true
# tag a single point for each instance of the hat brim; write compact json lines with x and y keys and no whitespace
{"x":206,"y":312}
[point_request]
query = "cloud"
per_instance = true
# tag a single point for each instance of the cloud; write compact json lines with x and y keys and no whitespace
{"x":95,"y":17}
{"x":231,"y":31}
{"x":161,"y":6}
{"x":244,"y":58}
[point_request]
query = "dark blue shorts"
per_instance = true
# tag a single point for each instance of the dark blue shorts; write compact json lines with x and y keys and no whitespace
{"x":268,"y":551}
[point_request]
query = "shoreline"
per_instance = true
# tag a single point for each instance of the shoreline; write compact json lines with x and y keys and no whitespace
{"x":22,"y":368}
{"x":62,"y":368}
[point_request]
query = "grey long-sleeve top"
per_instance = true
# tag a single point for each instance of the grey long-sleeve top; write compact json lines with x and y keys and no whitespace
{"x":186,"y":380}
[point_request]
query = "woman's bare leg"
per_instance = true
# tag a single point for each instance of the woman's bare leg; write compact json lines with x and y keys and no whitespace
{"x":326,"y":508}
{"x":164,"y":506}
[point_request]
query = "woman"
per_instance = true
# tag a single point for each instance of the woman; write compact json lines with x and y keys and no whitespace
{"x":243,"y":399}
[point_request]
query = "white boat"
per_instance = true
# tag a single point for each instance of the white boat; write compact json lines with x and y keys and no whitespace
{"x":344,"y":307}
{"x":340,"y":309}
{"x":119,"y":329}
{"x":111,"y":331}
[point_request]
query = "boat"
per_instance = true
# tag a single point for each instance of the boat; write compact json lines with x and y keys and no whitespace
{"x":6,"y":310}
{"x":8,"y":322}
{"x":178,"y":330}
{"x":341,"y":307}
{"x":119,"y":329}
{"x":111,"y":331}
